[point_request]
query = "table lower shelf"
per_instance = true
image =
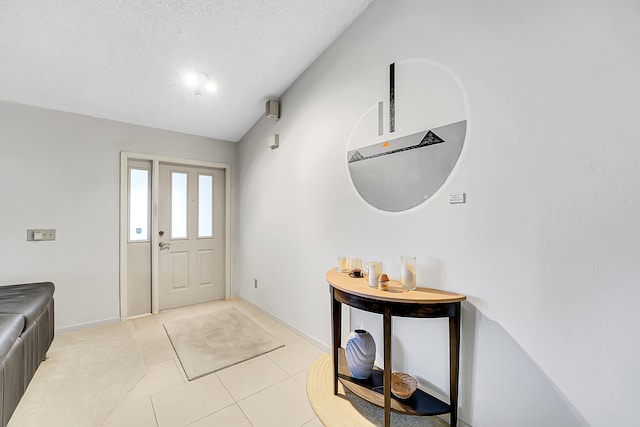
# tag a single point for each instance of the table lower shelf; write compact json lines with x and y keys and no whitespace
{"x":372,"y":390}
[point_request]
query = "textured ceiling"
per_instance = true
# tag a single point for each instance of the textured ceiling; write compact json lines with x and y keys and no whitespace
{"x":123,"y":59}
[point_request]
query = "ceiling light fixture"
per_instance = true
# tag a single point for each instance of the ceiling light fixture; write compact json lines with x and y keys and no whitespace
{"x":199,"y":81}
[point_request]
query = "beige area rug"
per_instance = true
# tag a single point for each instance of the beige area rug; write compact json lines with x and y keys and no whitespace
{"x":86,"y":375}
{"x":348,"y":410}
{"x":213,"y":341}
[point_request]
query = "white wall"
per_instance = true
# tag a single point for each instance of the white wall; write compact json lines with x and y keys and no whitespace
{"x":547,"y":246}
{"x":62,"y":171}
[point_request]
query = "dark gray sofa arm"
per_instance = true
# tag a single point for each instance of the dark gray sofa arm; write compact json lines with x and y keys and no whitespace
{"x":26,"y":333}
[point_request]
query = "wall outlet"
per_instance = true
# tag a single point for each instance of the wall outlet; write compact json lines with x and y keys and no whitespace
{"x":255,"y":283}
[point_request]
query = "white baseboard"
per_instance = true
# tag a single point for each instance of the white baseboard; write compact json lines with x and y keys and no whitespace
{"x":87,"y":325}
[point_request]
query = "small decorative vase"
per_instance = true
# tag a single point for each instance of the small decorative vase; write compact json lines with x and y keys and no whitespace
{"x":361,"y":353}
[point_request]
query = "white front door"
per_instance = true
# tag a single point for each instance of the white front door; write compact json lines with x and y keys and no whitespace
{"x":191,"y":207}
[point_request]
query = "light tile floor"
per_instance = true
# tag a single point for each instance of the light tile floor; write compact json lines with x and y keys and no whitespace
{"x":262,"y":392}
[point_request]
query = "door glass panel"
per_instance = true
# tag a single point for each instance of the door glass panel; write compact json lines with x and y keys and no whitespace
{"x":178,"y":205}
{"x":205,"y":206}
{"x":138,"y":205}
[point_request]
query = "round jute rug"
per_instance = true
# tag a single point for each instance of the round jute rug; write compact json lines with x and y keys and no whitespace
{"x":348,"y":410}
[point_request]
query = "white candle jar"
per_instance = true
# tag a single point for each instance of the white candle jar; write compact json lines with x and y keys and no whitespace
{"x":408,"y":272}
{"x":343,"y":264}
{"x":374,"y":269}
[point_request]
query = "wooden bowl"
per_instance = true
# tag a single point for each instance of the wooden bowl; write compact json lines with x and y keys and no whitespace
{"x":403,"y":385}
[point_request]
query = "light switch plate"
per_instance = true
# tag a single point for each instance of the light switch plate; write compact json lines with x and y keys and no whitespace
{"x":40,"y":234}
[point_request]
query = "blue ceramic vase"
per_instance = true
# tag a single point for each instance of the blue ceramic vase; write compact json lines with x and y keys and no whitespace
{"x":361,"y":353}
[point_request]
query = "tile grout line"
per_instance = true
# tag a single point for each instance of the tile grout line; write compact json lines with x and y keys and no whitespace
{"x":245,"y":415}
{"x":215,"y":412}
{"x":155,"y":415}
{"x":258,"y":391}
{"x":225,"y":386}
{"x":266,"y":388}
{"x":309,"y":420}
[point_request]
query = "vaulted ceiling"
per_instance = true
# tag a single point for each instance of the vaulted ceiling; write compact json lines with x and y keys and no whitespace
{"x":126,"y":60}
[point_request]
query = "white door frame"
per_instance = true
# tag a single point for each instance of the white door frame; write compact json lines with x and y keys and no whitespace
{"x":156,"y":160}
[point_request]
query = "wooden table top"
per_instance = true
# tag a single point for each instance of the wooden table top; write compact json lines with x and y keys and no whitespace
{"x":395,"y":293}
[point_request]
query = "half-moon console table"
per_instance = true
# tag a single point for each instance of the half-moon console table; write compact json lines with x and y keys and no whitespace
{"x":421,"y":303}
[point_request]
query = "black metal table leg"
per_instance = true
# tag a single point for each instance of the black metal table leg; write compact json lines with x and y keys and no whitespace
{"x":454,"y":360}
{"x":336,"y":323}
{"x":387,"y":366}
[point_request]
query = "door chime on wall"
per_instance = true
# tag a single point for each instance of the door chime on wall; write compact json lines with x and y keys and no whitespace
{"x":272,"y":109}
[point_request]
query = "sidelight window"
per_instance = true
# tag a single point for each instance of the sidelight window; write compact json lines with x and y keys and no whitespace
{"x":138,"y":205}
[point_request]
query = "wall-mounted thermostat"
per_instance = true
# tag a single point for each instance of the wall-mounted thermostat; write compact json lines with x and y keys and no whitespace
{"x":457,"y":198}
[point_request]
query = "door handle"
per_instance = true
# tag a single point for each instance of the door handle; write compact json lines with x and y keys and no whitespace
{"x":164,"y":245}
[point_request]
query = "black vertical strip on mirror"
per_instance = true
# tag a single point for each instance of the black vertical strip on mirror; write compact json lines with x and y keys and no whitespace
{"x":392,"y":97}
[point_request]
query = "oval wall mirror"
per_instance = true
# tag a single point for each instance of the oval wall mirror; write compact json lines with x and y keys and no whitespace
{"x":402,"y":150}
